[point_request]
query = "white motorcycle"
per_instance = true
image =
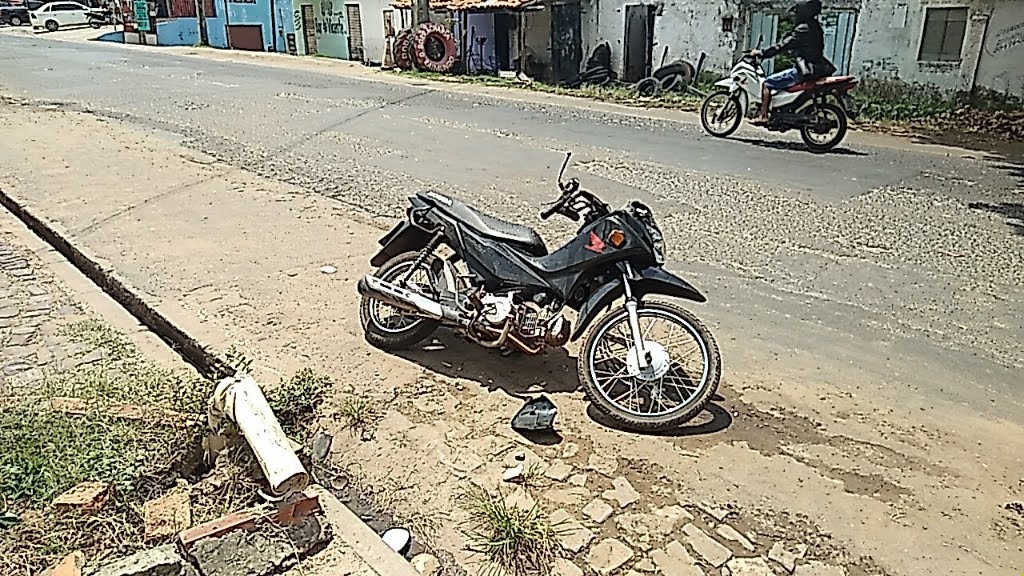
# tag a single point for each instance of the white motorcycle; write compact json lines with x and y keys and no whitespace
{"x":817,"y":108}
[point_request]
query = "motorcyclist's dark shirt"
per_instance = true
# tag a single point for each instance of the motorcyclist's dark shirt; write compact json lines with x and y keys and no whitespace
{"x":807,"y":45}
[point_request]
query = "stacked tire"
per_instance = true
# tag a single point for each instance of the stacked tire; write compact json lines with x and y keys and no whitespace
{"x":428,"y":47}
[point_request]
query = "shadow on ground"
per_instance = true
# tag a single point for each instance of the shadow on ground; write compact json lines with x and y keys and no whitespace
{"x":791,"y":146}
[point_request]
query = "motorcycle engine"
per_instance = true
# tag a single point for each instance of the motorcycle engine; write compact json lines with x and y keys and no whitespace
{"x":497,"y":308}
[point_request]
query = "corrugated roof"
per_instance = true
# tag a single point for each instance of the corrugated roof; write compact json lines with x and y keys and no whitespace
{"x":471,"y":4}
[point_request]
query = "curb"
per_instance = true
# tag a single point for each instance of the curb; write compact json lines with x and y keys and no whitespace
{"x":359,"y":537}
{"x":348,"y":528}
{"x":191,"y":350}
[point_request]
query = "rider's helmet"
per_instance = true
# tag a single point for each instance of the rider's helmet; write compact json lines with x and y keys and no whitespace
{"x":805,"y":10}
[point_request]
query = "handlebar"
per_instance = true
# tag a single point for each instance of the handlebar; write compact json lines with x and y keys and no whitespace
{"x":568,"y":189}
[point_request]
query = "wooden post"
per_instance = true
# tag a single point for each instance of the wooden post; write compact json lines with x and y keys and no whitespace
{"x":420,"y":12}
{"x":240,"y":400}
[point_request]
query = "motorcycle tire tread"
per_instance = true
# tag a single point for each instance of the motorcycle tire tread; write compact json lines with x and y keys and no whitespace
{"x":669,"y":421}
{"x":386,"y":341}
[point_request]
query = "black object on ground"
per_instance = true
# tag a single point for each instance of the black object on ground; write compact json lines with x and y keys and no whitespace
{"x":537,"y":414}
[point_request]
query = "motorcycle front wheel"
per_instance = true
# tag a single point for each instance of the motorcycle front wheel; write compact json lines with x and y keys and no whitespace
{"x":721,"y":113}
{"x":680,"y":379}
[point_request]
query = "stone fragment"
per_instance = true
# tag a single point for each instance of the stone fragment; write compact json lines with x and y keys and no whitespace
{"x":513,"y":474}
{"x":602,"y":464}
{"x":425,"y":564}
{"x":558,"y":470}
{"x":8,"y":312}
{"x":675,"y":513}
{"x":609,"y":555}
{"x":674,"y":560}
{"x":571,"y":496}
{"x":785,"y":557}
{"x":641,"y":530}
{"x":816,"y":568}
{"x":570,"y":449}
{"x":520,"y":498}
{"x":750,"y":567}
{"x":86,"y":497}
{"x":719,"y":513}
{"x":709,"y":549}
{"x":598,"y":510}
{"x":563,"y":567}
{"x":622,"y":492}
{"x":731,"y":534}
{"x":578,"y":480}
{"x":161,"y":561}
{"x":572,"y":536}
{"x":266,"y":549}
{"x":71,"y":565}
{"x":167,"y":515}
{"x":645,"y":565}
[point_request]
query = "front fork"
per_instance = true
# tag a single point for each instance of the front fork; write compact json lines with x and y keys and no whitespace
{"x":633,"y":317}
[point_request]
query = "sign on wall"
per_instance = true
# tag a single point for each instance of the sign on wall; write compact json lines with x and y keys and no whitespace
{"x":141,"y":9}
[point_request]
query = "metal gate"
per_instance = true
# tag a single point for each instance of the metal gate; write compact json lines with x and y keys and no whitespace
{"x":840,"y":27}
{"x":355,"y":32}
{"x":764,"y":26}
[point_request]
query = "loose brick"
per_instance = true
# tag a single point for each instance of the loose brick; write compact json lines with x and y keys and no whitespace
{"x":88,"y":497}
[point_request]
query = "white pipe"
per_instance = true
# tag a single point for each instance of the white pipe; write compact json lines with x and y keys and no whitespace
{"x":241,"y":400}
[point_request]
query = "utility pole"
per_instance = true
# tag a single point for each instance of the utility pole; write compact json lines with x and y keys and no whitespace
{"x":204,"y":36}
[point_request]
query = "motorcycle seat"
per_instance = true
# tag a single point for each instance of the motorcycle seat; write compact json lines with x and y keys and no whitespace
{"x":820,"y":83}
{"x":523,"y":236}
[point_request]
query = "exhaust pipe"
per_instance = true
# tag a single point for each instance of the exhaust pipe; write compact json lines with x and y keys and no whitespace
{"x":388,"y":293}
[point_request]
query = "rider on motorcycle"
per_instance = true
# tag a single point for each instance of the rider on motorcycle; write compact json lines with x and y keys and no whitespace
{"x":807,"y":45}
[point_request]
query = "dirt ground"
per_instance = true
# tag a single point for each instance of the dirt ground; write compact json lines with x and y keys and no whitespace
{"x":787,"y":458}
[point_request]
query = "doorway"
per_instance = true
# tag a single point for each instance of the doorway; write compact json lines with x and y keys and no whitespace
{"x":246,"y":37}
{"x":566,"y":42}
{"x":309,"y":28}
{"x":639,"y":42}
{"x":504,"y":26}
{"x":355,"y":33}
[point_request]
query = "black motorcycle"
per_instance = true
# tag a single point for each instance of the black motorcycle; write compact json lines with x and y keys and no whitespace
{"x":648,"y":364}
{"x":100,"y":17}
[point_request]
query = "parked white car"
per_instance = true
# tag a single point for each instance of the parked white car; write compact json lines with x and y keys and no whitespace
{"x":55,"y":15}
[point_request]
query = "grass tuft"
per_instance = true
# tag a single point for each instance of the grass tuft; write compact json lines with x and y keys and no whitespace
{"x":361,"y":415}
{"x":297,"y":401}
{"x":515,"y":541}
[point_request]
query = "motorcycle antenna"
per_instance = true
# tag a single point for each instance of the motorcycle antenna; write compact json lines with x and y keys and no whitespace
{"x":561,"y":172}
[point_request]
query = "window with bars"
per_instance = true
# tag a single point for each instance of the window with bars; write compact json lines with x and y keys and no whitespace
{"x":944,"y":32}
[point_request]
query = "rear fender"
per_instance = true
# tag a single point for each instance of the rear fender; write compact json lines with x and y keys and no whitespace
{"x":651,"y":281}
{"x":404,"y":237}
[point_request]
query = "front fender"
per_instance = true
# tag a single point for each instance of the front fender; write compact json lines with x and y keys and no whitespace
{"x":651,"y":281}
{"x":726,"y":83}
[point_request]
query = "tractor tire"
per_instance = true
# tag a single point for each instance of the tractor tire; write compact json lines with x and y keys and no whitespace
{"x":403,"y":50}
{"x":434,"y":48}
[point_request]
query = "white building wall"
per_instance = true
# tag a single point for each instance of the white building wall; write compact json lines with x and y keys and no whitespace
{"x":687,"y":27}
{"x":1001,"y":66}
{"x":371,"y":12}
{"x":889,"y":41}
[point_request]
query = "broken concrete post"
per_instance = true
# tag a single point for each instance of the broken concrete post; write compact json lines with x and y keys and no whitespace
{"x":240,"y":400}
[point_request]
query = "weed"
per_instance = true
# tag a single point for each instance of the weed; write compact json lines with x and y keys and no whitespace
{"x":298,"y":400}
{"x":45,"y":451}
{"x":238,"y":360}
{"x":515,"y":541}
{"x":361,"y":415}
{"x":532,"y":476}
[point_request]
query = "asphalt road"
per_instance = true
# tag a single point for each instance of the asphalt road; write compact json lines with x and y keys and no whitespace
{"x":887,"y":270}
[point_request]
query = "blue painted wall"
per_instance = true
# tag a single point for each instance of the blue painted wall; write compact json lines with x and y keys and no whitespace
{"x":184,"y":31}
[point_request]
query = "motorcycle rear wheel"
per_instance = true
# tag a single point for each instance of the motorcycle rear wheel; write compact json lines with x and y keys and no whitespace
{"x":707,"y":114}
{"x":599,"y":376}
{"x":406,"y":330}
{"x":808,"y":134}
